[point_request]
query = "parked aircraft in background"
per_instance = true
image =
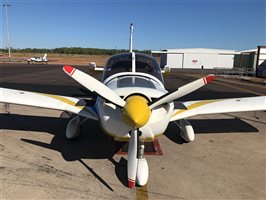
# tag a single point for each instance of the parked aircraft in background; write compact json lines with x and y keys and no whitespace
{"x":132,"y":105}
{"x":38,"y":59}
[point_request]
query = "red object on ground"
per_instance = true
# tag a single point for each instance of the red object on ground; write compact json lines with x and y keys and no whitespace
{"x":131,"y":183}
{"x":151,"y":148}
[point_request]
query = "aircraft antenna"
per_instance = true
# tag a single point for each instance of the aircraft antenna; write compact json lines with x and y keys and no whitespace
{"x":131,"y":38}
{"x":131,"y":48}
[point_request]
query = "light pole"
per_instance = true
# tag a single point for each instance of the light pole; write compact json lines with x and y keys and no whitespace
{"x":7,"y":31}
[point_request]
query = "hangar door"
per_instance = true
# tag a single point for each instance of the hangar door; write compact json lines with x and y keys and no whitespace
{"x":175,"y":60}
{"x":197,"y":60}
{"x":226,"y":61}
{"x":209,"y":61}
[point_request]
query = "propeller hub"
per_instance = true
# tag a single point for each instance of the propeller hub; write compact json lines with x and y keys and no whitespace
{"x":136,"y":111}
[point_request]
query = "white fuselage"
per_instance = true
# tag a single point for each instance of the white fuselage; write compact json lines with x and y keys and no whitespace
{"x":126,"y":84}
{"x":37,"y":60}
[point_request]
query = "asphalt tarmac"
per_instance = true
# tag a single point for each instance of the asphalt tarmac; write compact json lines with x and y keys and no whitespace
{"x":226,"y":160}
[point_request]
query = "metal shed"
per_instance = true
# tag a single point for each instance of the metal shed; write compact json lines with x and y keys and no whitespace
{"x":254,"y":59}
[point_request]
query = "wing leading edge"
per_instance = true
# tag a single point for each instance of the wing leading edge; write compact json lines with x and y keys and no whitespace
{"x":220,"y":106}
{"x":42,"y":100}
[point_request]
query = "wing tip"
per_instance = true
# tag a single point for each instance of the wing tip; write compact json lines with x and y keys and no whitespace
{"x":69,"y":69}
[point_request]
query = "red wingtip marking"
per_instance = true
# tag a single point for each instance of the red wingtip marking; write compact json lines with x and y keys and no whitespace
{"x":209,"y":78}
{"x":131,"y":183}
{"x":69,"y":69}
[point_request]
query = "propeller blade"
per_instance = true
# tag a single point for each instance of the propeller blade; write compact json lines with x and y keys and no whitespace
{"x":182,"y":91}
{"x":94,"y":85}
{"x":132,"y":163}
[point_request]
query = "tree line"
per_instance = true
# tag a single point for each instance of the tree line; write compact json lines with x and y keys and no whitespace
{"x":73,"y":50}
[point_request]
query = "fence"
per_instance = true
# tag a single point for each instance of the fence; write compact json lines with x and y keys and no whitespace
{"x":239,"y":72}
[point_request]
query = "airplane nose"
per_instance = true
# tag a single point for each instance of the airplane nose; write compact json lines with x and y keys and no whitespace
{"x":136,"y":111}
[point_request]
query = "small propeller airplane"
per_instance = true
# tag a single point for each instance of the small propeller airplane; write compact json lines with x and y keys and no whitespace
{"x":38,"y":59}
{"x":132,"y":105}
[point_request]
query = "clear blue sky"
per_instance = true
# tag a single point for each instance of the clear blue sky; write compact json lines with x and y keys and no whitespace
{"x":158,"y":24}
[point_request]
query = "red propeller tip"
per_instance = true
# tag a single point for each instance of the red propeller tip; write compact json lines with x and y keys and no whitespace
{"x":209,"y":78}
{"x":69,"y":69}
{"x":131,"y":183}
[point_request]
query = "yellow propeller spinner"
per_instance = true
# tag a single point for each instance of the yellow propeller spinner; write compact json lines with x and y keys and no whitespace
{"x":136,"y":111}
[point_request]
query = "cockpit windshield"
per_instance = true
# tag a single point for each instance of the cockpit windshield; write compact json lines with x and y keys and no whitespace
{"x":123,"y":63}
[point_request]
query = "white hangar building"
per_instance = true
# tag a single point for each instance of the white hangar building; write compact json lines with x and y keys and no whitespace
{"x":196,"y":58}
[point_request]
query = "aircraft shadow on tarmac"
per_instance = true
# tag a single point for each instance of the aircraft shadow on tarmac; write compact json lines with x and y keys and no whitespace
{"x":93,"y":143}
{"x":210,"y":126}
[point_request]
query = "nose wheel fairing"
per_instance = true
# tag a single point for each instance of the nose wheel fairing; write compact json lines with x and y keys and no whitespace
{"x":143,"y":168}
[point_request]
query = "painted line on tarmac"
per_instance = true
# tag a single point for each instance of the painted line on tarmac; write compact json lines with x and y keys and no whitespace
{"x":226,"y":80}
{"x":240,"y":82}
{"x":142,"y":193}
{"x":238,"y":88}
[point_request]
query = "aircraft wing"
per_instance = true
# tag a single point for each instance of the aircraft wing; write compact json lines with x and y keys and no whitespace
{"x":56,"y":102}
{"x":219,"y":106}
